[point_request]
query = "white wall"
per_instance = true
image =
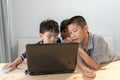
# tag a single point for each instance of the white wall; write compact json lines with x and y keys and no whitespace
{"x":103,"y":16}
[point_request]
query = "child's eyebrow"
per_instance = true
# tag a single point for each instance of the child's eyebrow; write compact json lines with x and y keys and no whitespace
{"x":74,"y":28}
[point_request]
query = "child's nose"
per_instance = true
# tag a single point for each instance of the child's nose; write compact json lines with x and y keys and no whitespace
{"x":52,"y":39}
{"x":72,"y":36}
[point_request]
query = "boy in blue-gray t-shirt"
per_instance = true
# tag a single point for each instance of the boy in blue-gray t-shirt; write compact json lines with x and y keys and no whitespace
{"x":48,"y":32}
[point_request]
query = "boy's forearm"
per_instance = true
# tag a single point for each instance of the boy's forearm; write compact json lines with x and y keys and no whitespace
{"x":93,"y":64}
{"x":17,"y":61}
{"x":80,"y":64}
{"x":85,"y":70}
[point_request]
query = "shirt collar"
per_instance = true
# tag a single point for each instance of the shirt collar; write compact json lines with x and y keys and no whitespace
{"x":90,"y":42}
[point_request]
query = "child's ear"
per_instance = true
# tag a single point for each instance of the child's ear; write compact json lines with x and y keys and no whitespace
{"x":41,"y":36}
{"x":86,"y":28}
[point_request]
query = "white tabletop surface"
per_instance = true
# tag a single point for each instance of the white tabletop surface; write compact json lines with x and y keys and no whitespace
{"x":109,"y":71}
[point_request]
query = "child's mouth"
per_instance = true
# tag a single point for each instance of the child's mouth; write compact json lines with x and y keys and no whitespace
{"x":74,"y":40}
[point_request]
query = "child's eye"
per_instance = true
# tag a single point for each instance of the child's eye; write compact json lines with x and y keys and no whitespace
{"x":49,"y":37}
{"x":75,"y":30}
{"x":70,"y":33}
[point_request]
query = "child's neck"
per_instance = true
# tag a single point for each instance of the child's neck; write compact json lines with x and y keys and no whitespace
{"x":85,"y":43}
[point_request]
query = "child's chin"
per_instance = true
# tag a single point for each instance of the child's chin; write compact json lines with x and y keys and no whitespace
{"x":76,"y":41}
{"x":52,"y":42}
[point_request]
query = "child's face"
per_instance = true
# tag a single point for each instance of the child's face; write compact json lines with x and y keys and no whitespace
{"x":65,"y":33}
{"x":49,"y":37}
{"x":77,"y":33}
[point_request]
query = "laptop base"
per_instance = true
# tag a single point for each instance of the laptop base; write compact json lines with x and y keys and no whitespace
{"x":48,"y":72}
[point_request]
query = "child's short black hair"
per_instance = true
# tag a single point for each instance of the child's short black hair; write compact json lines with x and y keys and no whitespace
{"x":48,"y":25}
{"x":63,"y":28}
{"x":63,"y":25}
{"x":78,"y":20}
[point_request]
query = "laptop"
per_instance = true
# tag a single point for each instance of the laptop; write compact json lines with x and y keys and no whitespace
{"x":51,"y":58}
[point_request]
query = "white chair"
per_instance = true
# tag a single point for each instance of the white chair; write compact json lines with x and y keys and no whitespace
{"x":22,"y":43}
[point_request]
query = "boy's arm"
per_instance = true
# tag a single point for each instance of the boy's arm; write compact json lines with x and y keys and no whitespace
{"x":14,"y":64}
{"x":86,"y":71}
{"x":17,"y":61}
{"x":93,"y":64}
{"x":68,"y":39}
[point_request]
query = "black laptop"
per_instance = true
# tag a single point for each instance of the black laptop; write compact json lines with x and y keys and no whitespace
{"x":51,"y":58}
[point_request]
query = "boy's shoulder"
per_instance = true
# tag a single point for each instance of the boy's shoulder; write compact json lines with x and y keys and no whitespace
{"x":98,"y":38}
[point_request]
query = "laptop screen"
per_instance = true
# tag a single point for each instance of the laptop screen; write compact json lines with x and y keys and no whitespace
{"x":51,"y":58}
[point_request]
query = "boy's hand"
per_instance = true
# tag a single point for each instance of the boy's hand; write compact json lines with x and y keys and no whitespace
{"x":12,"y":65}
{"x":89,"y":73}
{"x":68,"y":39}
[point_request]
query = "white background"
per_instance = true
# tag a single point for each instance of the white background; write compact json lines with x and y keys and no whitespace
{"x":102,"y":16}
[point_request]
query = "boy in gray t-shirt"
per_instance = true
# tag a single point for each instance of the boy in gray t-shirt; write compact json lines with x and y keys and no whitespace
{"x":93,"y":48}
{"x":99,"y":50}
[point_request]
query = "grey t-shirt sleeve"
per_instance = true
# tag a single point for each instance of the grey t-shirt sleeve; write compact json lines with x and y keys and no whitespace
{"x":101,"y":52}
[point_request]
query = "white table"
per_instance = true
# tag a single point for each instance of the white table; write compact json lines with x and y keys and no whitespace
{"x":109,"y":71}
